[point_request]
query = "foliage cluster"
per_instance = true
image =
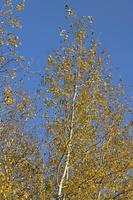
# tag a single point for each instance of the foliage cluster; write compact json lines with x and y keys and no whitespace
{"x":88,"y":144}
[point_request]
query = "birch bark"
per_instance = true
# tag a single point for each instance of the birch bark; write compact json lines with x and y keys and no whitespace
{"x":66,"y":172}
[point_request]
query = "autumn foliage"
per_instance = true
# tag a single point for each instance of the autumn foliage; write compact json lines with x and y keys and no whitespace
{"x":87,"y":153}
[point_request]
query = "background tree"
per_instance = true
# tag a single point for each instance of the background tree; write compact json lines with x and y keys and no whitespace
{"x":14,"y":71}
{"x":12,"y":65}
{"x":21,"y":165}
{"x":89,"y":143}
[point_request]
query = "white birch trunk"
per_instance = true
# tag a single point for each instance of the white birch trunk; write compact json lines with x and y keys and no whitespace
{"x":65,"y":172}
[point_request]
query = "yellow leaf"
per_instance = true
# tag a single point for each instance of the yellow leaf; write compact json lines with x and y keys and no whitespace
{"x":8,"y":100}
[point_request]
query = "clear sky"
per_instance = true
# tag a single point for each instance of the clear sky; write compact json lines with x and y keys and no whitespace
{"x":113,"y":22}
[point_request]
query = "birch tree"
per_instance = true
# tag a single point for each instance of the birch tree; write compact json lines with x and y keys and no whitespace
{"x":21,"y":165}
{"x":89,"y":143}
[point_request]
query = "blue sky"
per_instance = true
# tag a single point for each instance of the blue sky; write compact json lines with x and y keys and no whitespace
{"x":113,"y":22}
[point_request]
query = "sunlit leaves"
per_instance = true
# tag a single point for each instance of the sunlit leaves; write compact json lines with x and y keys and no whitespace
{"x":79,"y":35}
{"x":88,"y":146}
{"x":19,"y":161}
{"x":1,"y":30}
{"x":88,"y":143}
{"x":13,"y":74}
{"x":64,"y":34}
{"x":8,"y":98}
{"x":8,"y":40}
{"x":13,"y":22}
{"x":51,"y":61}
{"x":68,"y":10}
{"x":2,"y":58}
{"x":19,"y":6}
{"x":90,"y":19}
{"x":8,"y":2}
{"x":13,"y":40}
{"x":7,"y":91}
{"x":1,"y":41}
{"x":21,"y":166}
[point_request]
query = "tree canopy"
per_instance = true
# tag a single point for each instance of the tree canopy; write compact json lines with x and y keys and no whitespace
{"x":87,"y":153}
